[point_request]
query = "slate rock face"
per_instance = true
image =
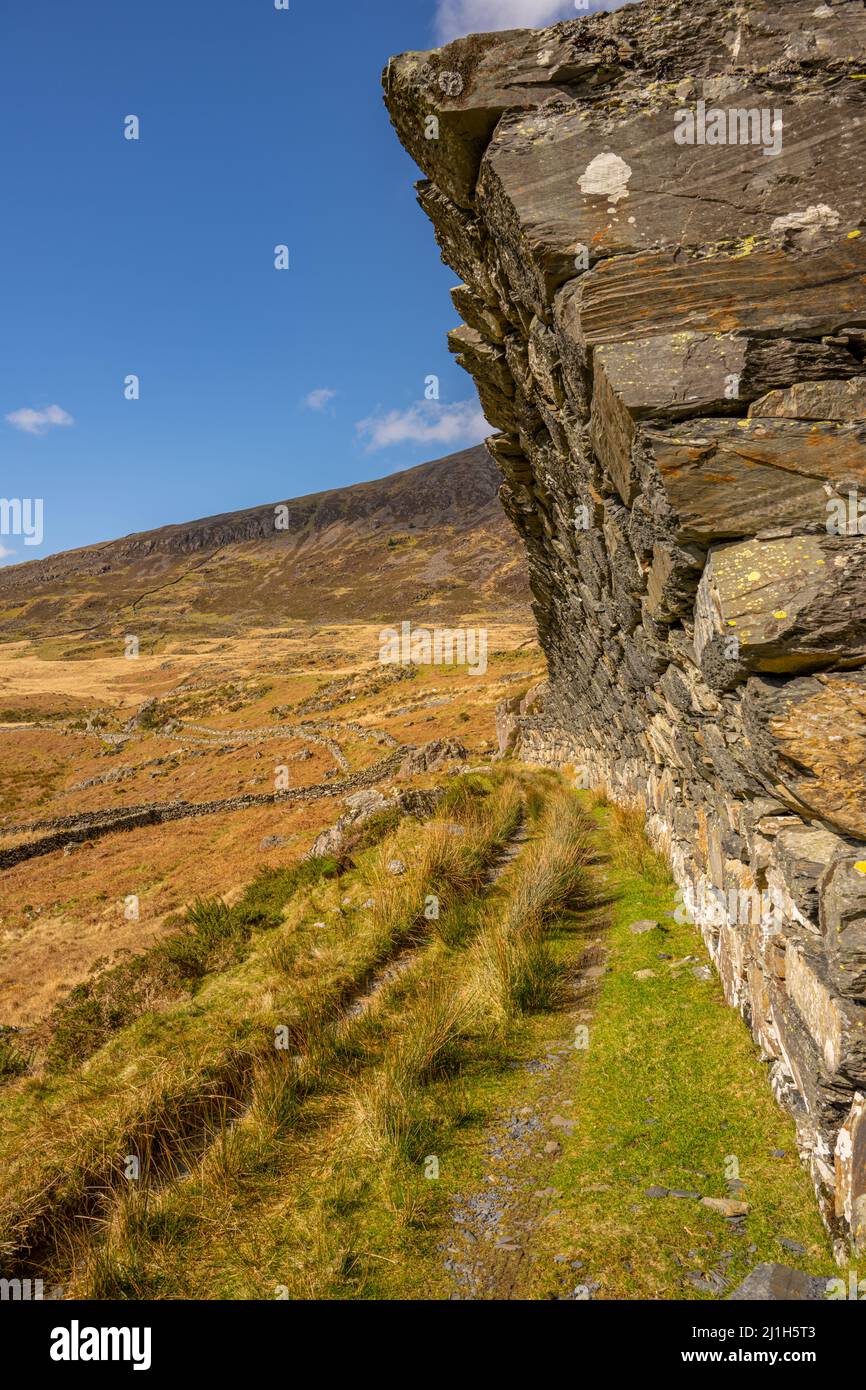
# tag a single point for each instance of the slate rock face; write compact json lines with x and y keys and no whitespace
{"x":659,"y":220}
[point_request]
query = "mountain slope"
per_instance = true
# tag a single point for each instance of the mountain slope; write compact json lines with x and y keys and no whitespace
{"x":428,"y":542}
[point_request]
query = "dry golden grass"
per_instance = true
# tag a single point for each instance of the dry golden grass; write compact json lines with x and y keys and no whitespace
{"x":61,"y":915}
{"x":631,"y":852}
{"x":189,"y":1093}
{"x":513,"y":971}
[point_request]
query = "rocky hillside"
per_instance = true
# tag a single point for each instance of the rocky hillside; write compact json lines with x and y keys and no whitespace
{"x":431,"y":540}
{"x":658,"y":219}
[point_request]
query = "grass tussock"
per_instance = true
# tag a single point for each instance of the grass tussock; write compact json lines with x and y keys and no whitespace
{"x":514,"y":973}
{"x":513,"y":969}
{"x":631,"y":851}
{"x":552,"y":875}
{"x":389,"y":1110}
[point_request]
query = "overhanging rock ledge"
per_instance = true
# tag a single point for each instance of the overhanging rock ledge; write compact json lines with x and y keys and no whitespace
{"x":657,"y":217}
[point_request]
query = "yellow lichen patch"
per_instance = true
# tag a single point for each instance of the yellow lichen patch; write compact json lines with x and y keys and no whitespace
{"x":753,"y":576}
{"x":780,"y":613}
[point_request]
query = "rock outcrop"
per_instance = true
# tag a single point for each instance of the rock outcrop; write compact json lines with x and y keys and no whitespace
{"x":658,"y":220}
{"x":336,"y":840}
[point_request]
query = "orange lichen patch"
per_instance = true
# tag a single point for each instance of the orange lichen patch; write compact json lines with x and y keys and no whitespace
{"x":824,"y":737}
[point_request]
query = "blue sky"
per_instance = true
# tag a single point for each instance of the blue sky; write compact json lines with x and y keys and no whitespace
{"x":155,"y":257}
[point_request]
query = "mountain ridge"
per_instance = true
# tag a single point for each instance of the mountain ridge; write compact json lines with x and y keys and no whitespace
{"x":257,"y":522}
{"x":435,"y":534}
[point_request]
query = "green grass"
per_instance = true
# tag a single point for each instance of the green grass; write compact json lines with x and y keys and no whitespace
{"x":376,"y":1225}
{"x":669,"y":1050}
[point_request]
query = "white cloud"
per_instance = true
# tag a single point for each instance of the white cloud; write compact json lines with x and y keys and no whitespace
{"x":426,"y":422}
{"x":318,"y":399}
{"x":454,"y":18}
{"x":5,"y":552}
{"x":39,"y":421}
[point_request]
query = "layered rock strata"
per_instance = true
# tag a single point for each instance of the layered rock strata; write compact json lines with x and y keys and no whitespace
{"x":657,"y":217}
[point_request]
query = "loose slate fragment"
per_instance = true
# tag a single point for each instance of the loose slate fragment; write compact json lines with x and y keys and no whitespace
{"x":778,"y":1283}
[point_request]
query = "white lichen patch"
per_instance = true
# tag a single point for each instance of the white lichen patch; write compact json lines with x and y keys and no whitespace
{"x":818,"y":215}
{"x":606,"y":176}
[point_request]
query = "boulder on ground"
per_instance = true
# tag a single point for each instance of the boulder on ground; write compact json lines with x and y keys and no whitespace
{"x":781,"y":1284}
{"x":430,"y":757}
{"x":362,"y":806}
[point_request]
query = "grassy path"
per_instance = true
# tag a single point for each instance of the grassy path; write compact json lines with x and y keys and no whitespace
{"x":317,"y":1208}
{"x":588,"y":1181}
{"x":524,"y":1098}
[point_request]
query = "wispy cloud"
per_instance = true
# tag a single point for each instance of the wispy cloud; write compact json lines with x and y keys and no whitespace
{"x":318,"y":399}
{"x":425,"y":422}
{"x":454,"y":18}
{"x":5,"y":552}
{"x":39,"y":421}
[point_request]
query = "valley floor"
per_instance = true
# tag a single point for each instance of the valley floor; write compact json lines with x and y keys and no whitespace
{"x":129,"y":787}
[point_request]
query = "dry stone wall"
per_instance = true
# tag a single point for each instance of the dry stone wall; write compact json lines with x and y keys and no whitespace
{"x":657,"y":217}
{"x":93,"y":825}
